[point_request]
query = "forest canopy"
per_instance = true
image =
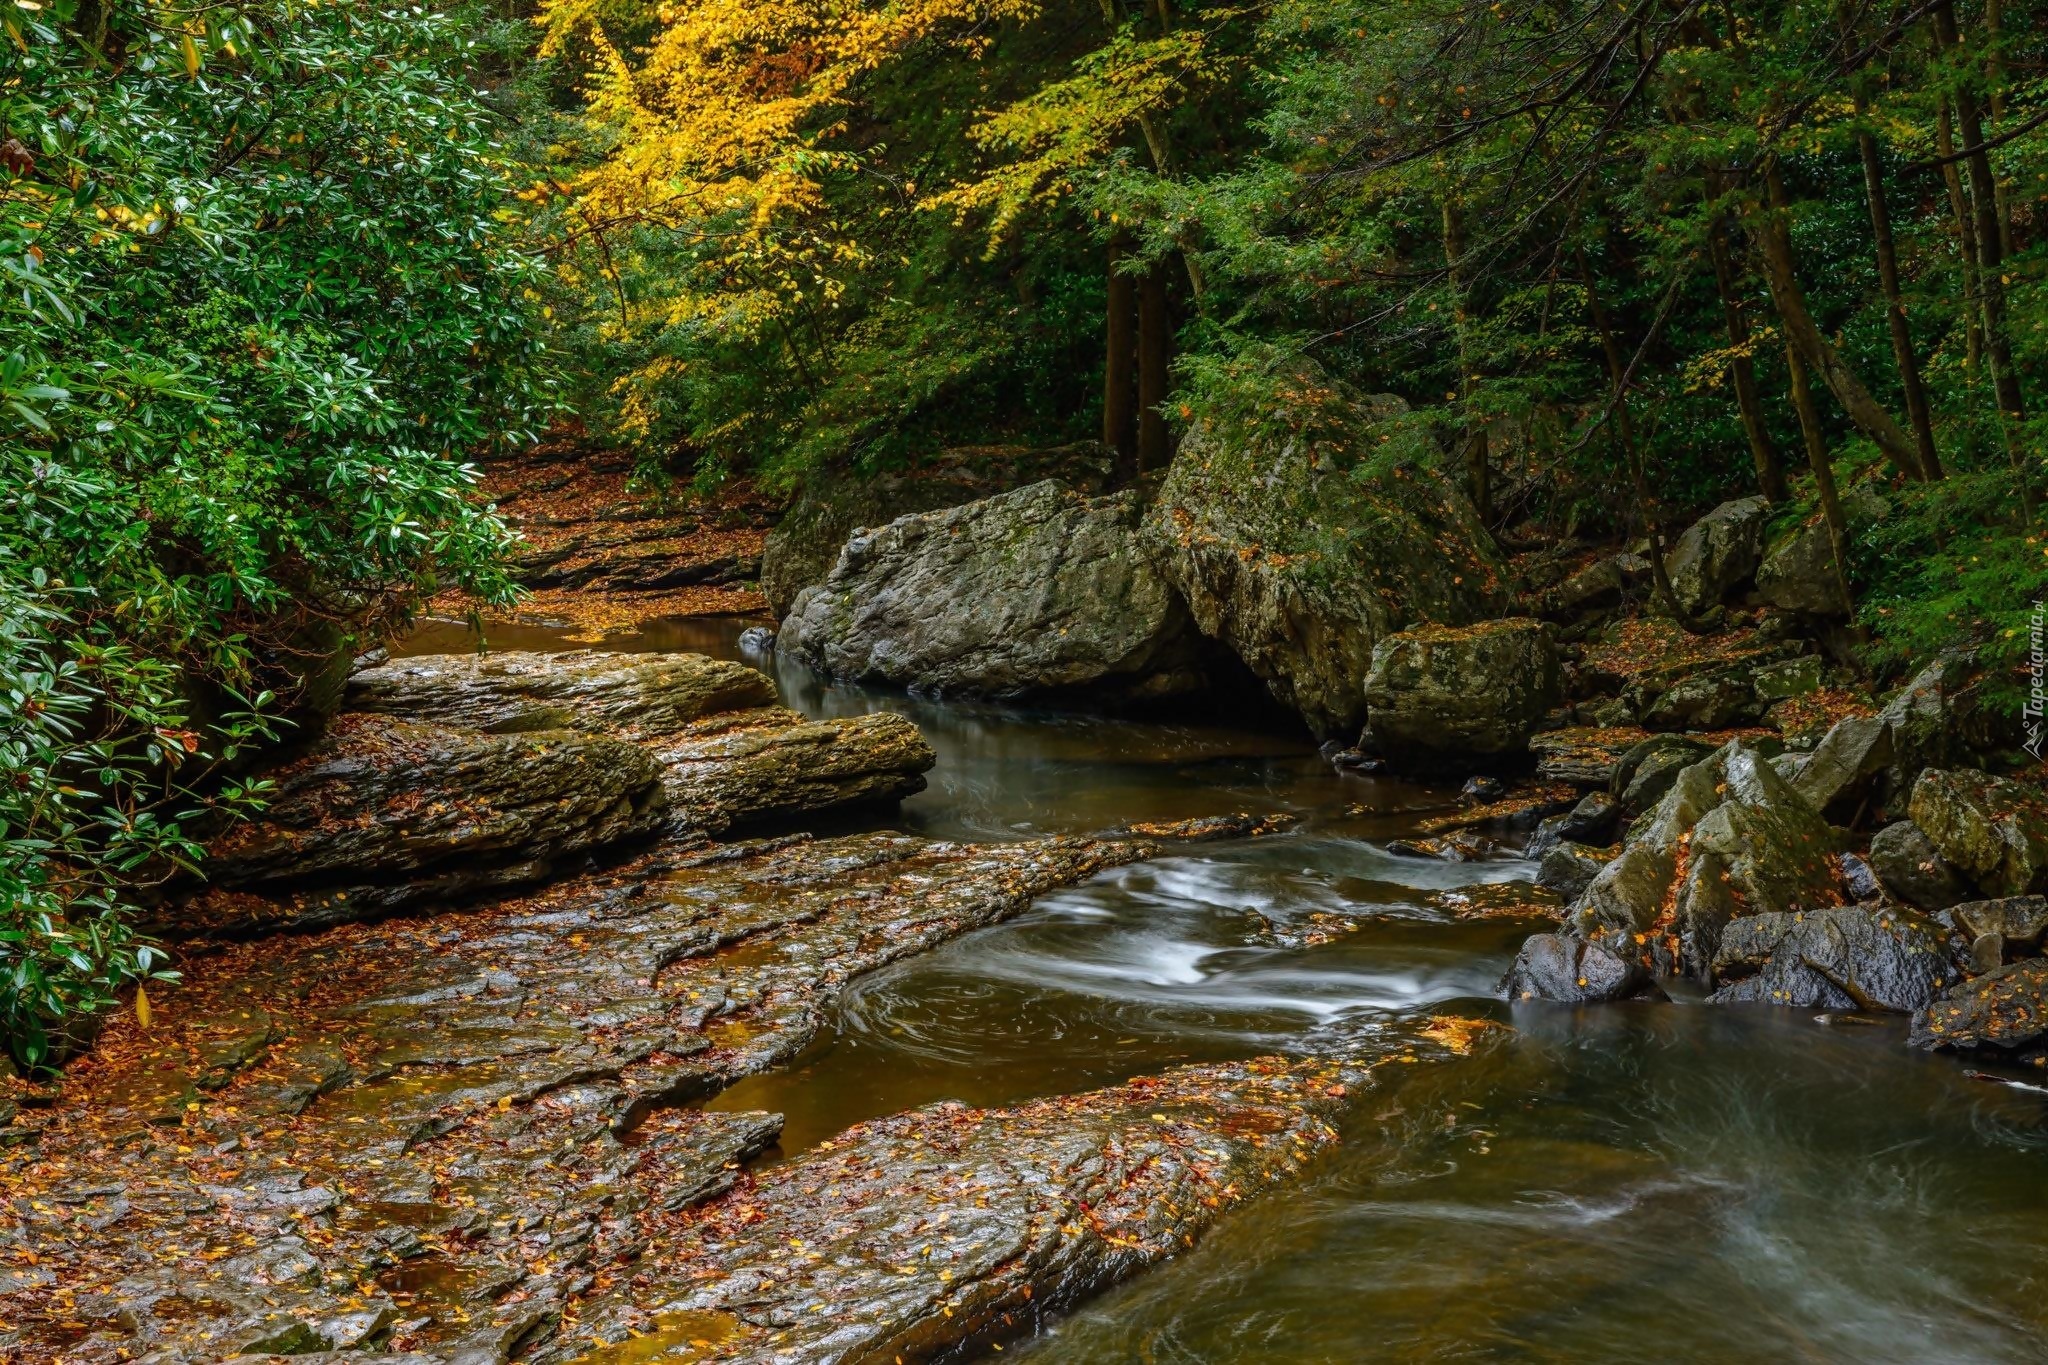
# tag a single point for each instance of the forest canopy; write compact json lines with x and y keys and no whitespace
{"x":278,"y":272}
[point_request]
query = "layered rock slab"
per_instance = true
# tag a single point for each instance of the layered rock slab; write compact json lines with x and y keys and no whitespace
{"x":930,"y":1234}
{"x":421,"y":1120}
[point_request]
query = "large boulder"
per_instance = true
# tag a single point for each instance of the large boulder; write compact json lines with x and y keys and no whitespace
{"x":805,"y":543}
{"x":2006,"y":1008}
{"x":1941,"y":718}
{"x":1797,"y":572}
{"x":1911,"y":869}
{"x":1855,"y":957}
{"x":1301,"y":556}
{"x":1717,"y":554}
{"x":633,"y":696}
{"x":1992,"y":829}
{"x":1041,"y":593}
{"x":1448,"y":695}
{"x":381,"y":813}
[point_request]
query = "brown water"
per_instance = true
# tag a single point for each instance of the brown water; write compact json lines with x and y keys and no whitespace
{"x":1624,"y":1183}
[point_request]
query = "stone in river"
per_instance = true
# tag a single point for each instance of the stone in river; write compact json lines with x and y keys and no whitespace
{"x":2006,"y":1008}
{"x":1854,"y":957}
{"x":1041,"y":593}
{"x":1440,"y":696}
{"x":1568,"y":969}
{"x":631,"y":696}
{"x":1912,"y":869}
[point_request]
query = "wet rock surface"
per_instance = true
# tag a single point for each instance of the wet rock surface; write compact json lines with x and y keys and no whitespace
{"x":398,"y":812}
{"x":1038,"y":593}
{"x":1441,"y":695}
{"x":2005,"y":1009}
{"x":1717,"y":554}
{"x":1299,"y":564}
{"x":932,"y":1233}
{"x":1855,"y":957}
{"x":631,"y":696}
{"x":769,"y":765}
{"x":436,"y":1134}
{"x":1911,"y":868}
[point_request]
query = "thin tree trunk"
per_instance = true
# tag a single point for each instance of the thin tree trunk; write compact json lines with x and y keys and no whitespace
{"x":1478,"y":480}
{"x":1155,"y":361}
{"x":1624,"y":425}
{"x":1994,"y":67}
{"x":2005,"y":384}
{"x":1119,"y":367}
{"x":1966,"y":239}
{"x":1805,"y":334}
{"x":1895,"y":308}
{"x":1763,"y":452}
{"x":1823,"y":478}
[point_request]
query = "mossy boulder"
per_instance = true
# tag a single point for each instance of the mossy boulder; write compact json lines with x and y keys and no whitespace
{"x":1443,"y":696}
{"x":835,"y":503}
{"x":1301,"y":555}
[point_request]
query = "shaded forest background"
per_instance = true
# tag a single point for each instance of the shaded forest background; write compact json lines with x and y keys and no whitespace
{"x":276,"y":272}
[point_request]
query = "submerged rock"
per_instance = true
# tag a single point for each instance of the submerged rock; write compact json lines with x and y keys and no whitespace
{"x":1991,"y":829}
{"x":1037,"y":593}
{"x":1444,"y":695}
{"x":1299,"y":559}
{"x":397,"y":812}
{"x":834,"y":504}
{"x":1855,"y":957}
{"x":937,"y":1233}
{"x":1717,"y":554}
{"x":632,"y":696}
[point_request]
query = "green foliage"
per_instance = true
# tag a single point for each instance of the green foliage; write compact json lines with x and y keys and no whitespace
{"x":263,"y":298}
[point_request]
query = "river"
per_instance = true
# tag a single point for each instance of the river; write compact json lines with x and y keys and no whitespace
{"x":1626,"y":1182}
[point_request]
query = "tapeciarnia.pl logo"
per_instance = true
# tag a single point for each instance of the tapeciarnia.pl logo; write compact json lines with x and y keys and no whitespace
{"x":2037,"y":681}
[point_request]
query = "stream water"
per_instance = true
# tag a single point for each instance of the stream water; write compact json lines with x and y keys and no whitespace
{"x":1664,"y":1182}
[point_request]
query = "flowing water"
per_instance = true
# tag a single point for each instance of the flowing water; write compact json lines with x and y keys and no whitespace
{"x":1636,"y":1182}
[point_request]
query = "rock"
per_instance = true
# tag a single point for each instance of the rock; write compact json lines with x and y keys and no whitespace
{"x":1710,"y":699}
{"x":2000,"y":930}
{"x":1858,"y":879}
{"x":1850,"y":757}
{"x":1569,"y":970}
{"x":1443,"y":695}
{"x":1717,"y":554}
{"x":413,"y":811}
{"x":1601,"y":584}
{"x":1760,"y":850}
{"x":1040,"y":593}
{"x":935,"y":1234}
{"x":1299,"y":560}
{"x":771,"y":764}
{"x":757,"y":642}
{"x":1483,"y":788}
{"x":631,"y":696}
{"x":1568,"y":868}
{"x":1855,"y":957}
{"x":834,"y":504}
{"x":2006,"y":1008}
{"x":1991,"y":829}
{"x":1647,"y":771}
{"x":1729,"y":838}
{"x":1787,"y":678}
{"x":1591,"y":821}
{"x":475,"y":1079}
{"x":1585,"y":756}
{"x":1912,"y":868}
{"x":1797,"y":572}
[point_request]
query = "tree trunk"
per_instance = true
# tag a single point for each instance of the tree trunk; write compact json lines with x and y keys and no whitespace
{"x":1823,"y":478}
{"x":1966,"y":239}
{"x":1624,"y":425}
{"x":1155,"y":362}
{"x":1119,"y":368}
{"x":1763,"y":452}
{"x":1775,"y":236}
{"x":1478,"y":477}
{"x":2005,"y":384}
{"x":1994,"y":67}
{"x":1895,"y":308}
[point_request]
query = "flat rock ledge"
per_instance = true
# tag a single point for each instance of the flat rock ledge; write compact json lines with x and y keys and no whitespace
{"x":931,"y":1234}
{"x":442,"y":1135}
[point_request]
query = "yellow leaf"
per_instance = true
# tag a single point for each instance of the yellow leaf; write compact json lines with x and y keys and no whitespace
{"x":191,"y":51}
{"x":142,"y":1007}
